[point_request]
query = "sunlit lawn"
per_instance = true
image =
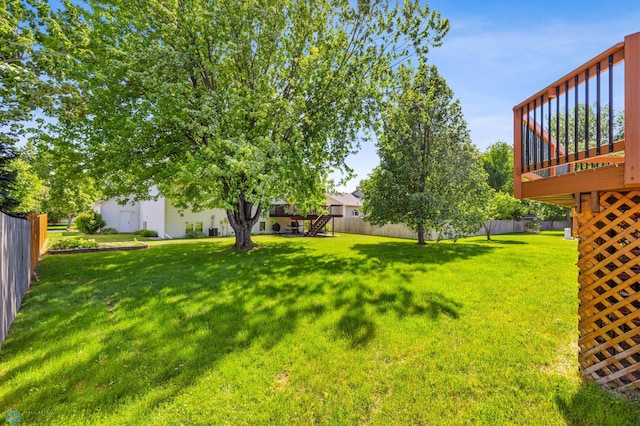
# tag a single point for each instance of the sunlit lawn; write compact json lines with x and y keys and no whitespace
{"x":345,"y":330}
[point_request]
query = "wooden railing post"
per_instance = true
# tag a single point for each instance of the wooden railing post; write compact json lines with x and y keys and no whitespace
{"x":632,"y":109}
{"x":517,"y":153}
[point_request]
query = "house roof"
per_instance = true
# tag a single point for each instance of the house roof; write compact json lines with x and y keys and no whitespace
{"x":345,"y":199}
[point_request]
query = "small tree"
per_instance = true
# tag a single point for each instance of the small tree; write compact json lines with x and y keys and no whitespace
{"x":499,"y":206}
{"x":90,"y":222}
{"x":548,"y":212}
{"x":430,"y":175}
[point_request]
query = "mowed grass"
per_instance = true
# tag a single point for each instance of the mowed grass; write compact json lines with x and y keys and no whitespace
{"x":345,"y":330}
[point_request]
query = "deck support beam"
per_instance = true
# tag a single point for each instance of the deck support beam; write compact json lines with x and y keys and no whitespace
{"x":632,"y":109}
{"x":609,"y":278}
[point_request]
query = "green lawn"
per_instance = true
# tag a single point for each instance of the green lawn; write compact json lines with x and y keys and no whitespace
{"x":345,"y":330}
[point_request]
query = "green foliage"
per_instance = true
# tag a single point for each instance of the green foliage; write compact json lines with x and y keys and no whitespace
{"x":498,"y":163}
{"x":500,"y":205}
{"x":430,"y":174}
{"x":235,"y":103}
{"x":27,"y":188}
{"x":68,"y":188}
{"x":195,"y":234}
{"x":503,"y":206}
{"x":34,"y":58}
{"x":547,"y":212}
{"x":73,"y":243}
{"x":8,"y":178}
{"x":89,"y":222}
{"x":532,"y":227}
{"x":146,"y":233}
{"x":108,"y":231}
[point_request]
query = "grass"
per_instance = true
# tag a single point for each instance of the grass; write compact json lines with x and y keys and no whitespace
{"x":346,"y":330}
{"x":60,"y":227}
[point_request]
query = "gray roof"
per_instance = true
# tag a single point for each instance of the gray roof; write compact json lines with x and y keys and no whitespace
{"x":346,"y":199}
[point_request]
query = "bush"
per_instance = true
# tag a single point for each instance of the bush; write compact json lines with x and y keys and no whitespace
{"x":146,"y":233}
{"x":108,"y":231}
{"x":90,"y":222}
{"x":195,"y":234}
{"x":72,"y":243}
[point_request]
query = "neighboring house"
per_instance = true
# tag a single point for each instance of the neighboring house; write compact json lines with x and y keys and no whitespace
{"x":169,"y":222}
{"x":351,"y":205}
{"x":358,"y":193}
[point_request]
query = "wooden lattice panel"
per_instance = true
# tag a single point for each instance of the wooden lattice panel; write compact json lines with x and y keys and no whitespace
{"x":610,"y":289}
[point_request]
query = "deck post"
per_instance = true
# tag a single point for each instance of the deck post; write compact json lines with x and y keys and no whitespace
{"x":632,"y":109}
{"x":517,"y":153}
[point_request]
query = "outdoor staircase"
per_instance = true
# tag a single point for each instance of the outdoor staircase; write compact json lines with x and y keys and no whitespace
{"x":318,"y":224}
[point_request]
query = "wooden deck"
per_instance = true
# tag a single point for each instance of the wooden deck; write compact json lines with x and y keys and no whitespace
{"x":557,"y":156}
{"x":577,"y":144}
{"x":293,"y":214}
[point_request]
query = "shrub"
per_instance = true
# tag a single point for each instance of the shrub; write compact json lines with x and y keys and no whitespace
{"x":72,"y":243}
{"x":89,"y":222}
{"x":532,"y":227}
{"x":108,"y":231}
{"x":146,"y":233}
{"x":195,"y":234}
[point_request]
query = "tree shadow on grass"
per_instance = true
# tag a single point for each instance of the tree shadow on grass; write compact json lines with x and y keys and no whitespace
{"x":592,"y":406}
{"x":503,"y":242}
{"x":144,"y":325}
{"x":408,"y":252}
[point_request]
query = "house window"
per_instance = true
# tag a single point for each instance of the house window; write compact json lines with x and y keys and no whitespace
{"x":144,"y":224}
{"x":198,"y":227}
{"x":263,"y":226}
{"x":188,"y":227}
{"x":356,"y":212}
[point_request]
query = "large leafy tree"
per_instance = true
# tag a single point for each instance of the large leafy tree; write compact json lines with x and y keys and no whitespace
{"x":233,"y":103}
{"x":497,"y":161}
{"x":35,"y":47}
{"x":430,"y":174}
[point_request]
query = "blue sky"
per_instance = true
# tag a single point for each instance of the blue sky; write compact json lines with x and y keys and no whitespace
{"x":500,"y":52}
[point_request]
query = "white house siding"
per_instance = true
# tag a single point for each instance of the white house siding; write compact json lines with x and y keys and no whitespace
{"x":176,"y":221}
{"x":116,"y":215}
{"x":349,"y":211}
{"x":152,"y":216}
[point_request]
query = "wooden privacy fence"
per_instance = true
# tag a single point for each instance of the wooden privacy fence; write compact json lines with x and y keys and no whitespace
{"x":356,"y":225}
{"x":38,"y":237}
{"x":21,"y":242}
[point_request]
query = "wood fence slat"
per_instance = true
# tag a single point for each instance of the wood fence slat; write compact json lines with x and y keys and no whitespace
{"x":21,"y":242}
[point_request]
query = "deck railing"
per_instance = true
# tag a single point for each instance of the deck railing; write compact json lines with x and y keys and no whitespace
{"x":587,"y":119}
{"x":290,"y":211}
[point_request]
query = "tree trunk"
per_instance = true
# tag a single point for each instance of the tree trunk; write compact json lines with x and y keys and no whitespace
{"x":421,"y":234}
{"x":242,"y":221}
{"x":488,"y":225}
{"x":69,"y":219}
